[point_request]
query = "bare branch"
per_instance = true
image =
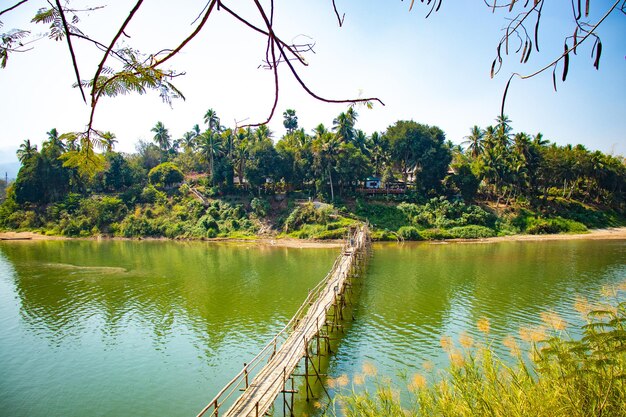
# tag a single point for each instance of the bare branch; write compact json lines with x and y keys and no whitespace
{"x":343,"y":17}
{"x":15,"y":6}
{"x":69,"y":44}
{"x":108,"y":51}
{"x":190,"y":37}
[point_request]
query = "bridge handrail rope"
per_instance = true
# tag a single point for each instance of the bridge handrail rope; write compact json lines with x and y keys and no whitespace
{"x":234,"y":385}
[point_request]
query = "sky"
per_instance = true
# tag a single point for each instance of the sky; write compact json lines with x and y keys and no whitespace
{"x":435,"y":71}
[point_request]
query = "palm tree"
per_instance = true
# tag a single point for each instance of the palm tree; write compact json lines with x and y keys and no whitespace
{"x":188,"y":140}
{"x":291,"y":120}
{"x":344,"y":123}
{"x":319,"y":131}
{"x":240,"y":157}
{"x":162,"y":137}
{"x":263,"y":133}
{"x":326,"y":149}
{"x":109,"y":141}
{"x":212,"y":121}
{"x":474,"y":141}
{"x":54,"y":142}
{"x":503,"y":130}
{"x":26,"y":151}
{"x":210,"y":147}
{"x":379,"y":151}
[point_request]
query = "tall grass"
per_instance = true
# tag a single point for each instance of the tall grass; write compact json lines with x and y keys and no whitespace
{"x":552,"y":374}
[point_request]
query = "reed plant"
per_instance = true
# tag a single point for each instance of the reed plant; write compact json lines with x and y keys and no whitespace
{"x":551,"y":374}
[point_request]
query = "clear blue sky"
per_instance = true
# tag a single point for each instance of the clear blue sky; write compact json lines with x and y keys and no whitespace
{"x":434,"y":71}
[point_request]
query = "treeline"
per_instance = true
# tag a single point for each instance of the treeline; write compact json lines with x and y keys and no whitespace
{"x":494,"y":165}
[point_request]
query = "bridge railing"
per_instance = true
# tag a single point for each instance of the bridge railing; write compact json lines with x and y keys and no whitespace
{"x":242,"y":379}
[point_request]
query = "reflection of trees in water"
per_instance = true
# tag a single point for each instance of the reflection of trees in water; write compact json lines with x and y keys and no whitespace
{"x":425,"y":291}
{"x":207,"y":290}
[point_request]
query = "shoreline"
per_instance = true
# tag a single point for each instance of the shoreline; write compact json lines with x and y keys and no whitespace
{"x":614,"y":233}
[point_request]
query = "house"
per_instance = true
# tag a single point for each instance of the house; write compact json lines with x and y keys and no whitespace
{"x":373,"y":183}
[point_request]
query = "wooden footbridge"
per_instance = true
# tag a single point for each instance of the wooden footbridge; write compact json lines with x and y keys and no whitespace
{"x":255,"y":388}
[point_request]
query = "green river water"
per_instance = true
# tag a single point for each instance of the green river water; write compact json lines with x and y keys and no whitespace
{"x":119,"y":328}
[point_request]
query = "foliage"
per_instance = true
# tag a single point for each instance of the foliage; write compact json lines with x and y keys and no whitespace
{"x":420,"y":149}
{"x":553,"y":375}
{"x":165,"y":175}
{"x":259,"y":206}
{"x":471,"y":232}
{"x":435,"y":234}
{"x":441,"y":213}
{"x":306,"y":214}
{"x":381,"y":216}
{"x":409,"y":233}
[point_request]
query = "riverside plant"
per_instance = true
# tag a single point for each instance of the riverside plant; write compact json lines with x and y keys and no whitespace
{"x":552,"y":375}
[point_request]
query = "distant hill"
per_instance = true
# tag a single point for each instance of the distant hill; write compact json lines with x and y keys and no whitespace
{"x":10,"y":169}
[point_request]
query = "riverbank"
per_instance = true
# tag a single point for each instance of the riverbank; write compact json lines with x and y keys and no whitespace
{"x":615,"y":233}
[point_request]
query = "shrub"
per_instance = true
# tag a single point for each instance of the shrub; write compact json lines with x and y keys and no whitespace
{"x":409,"y":233}
{"x":151,"y":195}
{"x":555,"y":225}
{"x":557,"y":376}
{"x":435,"y":234}
{"x":306,"y":214}
{"x":383,"y":236}
{"x":259,"y":206}
{"x":165,"y":175}
{"x":471,"y":232}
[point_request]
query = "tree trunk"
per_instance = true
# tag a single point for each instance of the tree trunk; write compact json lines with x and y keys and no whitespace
{"x":332,"y":192}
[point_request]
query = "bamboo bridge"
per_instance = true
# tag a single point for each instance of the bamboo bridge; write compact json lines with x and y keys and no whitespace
{"x":310,"y":327}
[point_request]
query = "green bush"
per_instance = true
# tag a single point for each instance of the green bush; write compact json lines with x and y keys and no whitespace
{"x":443,"y":214}
{"x":435,"y":234}
{"x":471,"y":232}
{"x":383,"y":236}
{"x":165,"y":175}
{"x":306,"y":214}
{"x":409,"y":233}
{"x":259,"y":206}
{"x":552,"y":226}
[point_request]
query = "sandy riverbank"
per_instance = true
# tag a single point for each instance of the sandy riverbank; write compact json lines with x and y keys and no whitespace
{"x":617,"y":233}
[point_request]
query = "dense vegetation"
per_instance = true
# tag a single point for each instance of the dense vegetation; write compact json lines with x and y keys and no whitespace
{"x":552,"y":375}
{"x":221,"y":182}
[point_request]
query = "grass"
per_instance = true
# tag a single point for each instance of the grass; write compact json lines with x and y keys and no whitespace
{"x":553,"y":374}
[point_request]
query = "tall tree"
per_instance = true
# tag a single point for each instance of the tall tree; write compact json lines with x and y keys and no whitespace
{"x":343,"y":125}
{"x":474,"y":142}
{"x":162,"y":137}
{"x":212,"y":120}
{"x":210,"y":147}
{"x":109,"y":140}
{"x":290,"y":120}
{"x":421,"y":150}
{"x":26,"y":151}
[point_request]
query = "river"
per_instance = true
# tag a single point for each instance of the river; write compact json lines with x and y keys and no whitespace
{"x":156,"y":328}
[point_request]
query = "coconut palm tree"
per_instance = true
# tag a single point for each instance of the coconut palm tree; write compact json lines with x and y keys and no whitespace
{"x":26,"y":151}
{"x":54,"y":142}
{"x":263,"y":133}
{"x":162,"y":137}
{"x":109,"y":141}
{"x":343,"y":125}
{"x":210,"y":147}
{"x":212,"y":120}
{"x":474,"y":142}
{"x":379,"y":151}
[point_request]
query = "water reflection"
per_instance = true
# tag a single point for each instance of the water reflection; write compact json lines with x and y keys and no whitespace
{"x":415,"y":294}
{"x":172,"y":320}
